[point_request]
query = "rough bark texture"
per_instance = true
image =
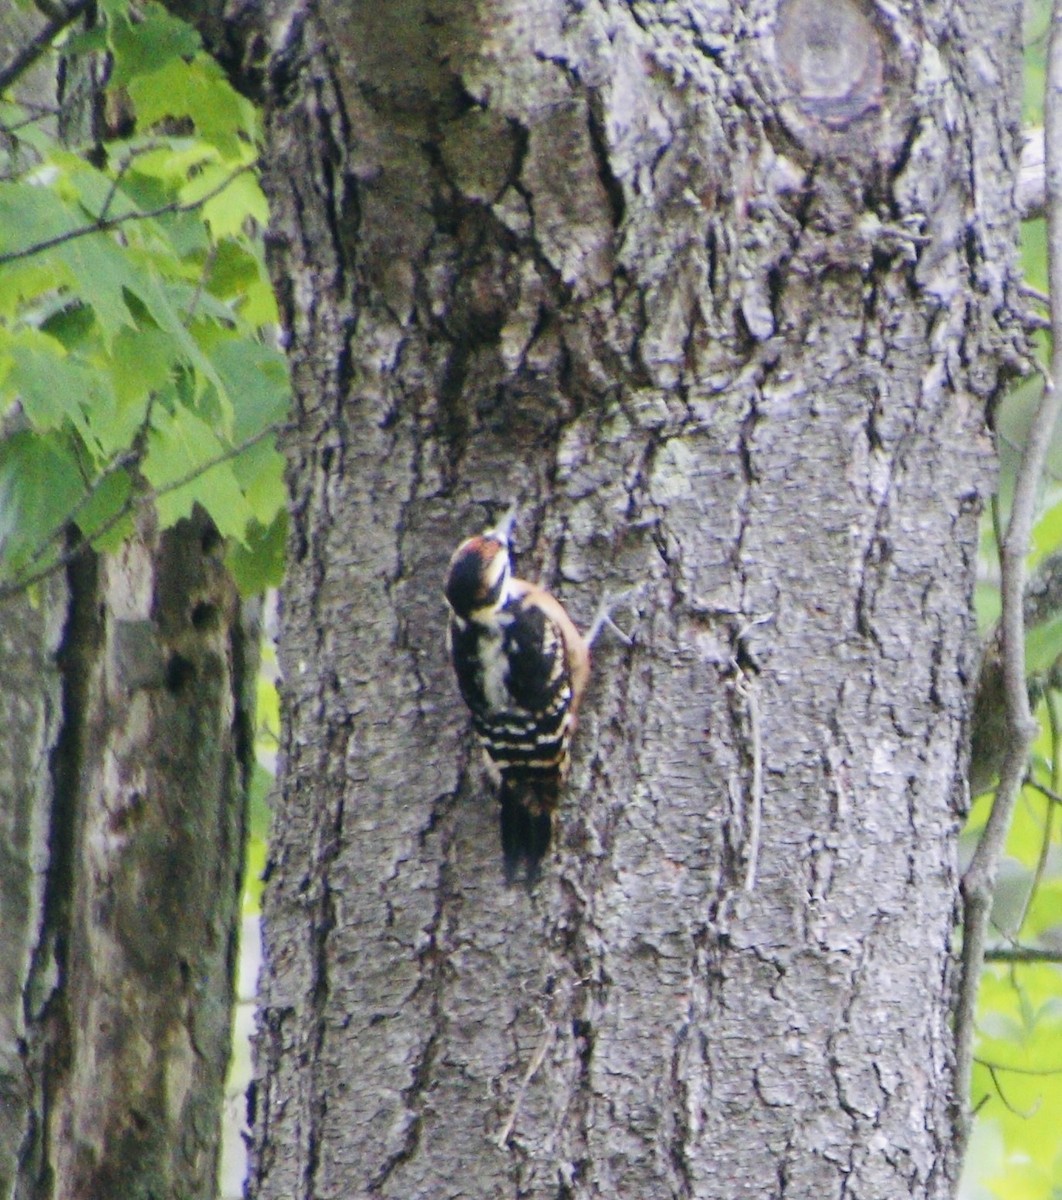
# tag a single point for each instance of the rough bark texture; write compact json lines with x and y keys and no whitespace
{"x":30,"y":635}
{"x":123,"y":850}
{"x":721,"y":295}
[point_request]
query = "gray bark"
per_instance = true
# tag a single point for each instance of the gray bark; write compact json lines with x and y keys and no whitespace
{"x":722,"y":295}
{"x":30,"y":636}
{"x":122,"y":851}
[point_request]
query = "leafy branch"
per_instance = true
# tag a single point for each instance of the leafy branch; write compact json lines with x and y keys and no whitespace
{"x":105,"y":224}
{"x":130,"y":369}
{"x":32,"y":574}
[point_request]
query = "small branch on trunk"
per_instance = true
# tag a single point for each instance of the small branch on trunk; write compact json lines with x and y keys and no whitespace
{"x":978,"y":883}
{"x":537,"y":1059}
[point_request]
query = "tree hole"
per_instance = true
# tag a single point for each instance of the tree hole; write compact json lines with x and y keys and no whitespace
{"x":205,"y":616}
{"x":179,"y":671}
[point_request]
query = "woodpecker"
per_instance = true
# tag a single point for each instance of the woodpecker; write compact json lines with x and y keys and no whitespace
{"x":522,"y":667}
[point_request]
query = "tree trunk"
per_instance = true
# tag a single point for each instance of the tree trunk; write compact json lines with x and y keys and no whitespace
{"x":128,"y":708}
{"x":721,"y":295}
{"x":30,"y":636}
{"x":125,"y":842}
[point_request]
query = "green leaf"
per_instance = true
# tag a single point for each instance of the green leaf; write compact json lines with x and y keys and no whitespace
{"x":256,"y":377}
{"x":1047,"y":533}
{"x":40,"y":483}
{"x":34,"y":213}
{"x":239,"y":274}
{"x":91,"y":190}
{"x":257,"y":563}
{"x":180,"y":445}
{"x":162,"y":165}
{"x":228,"y":211}
{"x":52,"y":387}
{"x":115,"y":8}
{"x":1043,"y":645}
{"x":1045,"y":912}
{"x":197,"y":91}
{"x":71,"y":323}
{"x":260,"y":471}
{"x":86,"y":41}
{"x":156,"y":38}
{"x":141,"y":364}
{"x":102,"y":276}
{"x":1034,"y":251}
{"x":97,"y":517}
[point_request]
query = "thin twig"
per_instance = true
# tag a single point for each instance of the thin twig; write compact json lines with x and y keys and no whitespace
{"x":1049,"y":816}
{"x":1044,"y":790}
{"x":119,"y":175}
{"x":108,"y":223}
{"x":998,"y":1066}
{"x":1022,"y":955}
{"x":993,"y":1072}
{"x":128,"y":459}
{"x":1034,"y":293}
{"x":40,"y":43}
{"x":1041,"y":298}
{"x":1033,"y":320}
{"x":978,"y":882}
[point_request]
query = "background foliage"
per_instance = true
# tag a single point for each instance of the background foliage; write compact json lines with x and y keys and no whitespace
{"x":137,"y":362}
{"x":1016,"y":1147}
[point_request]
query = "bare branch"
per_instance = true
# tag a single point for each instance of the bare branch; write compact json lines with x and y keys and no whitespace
{"x":537,"y":1060}
{"x":1034,"y":293}
{"x":1044,"y":790}
{"x":28,"y":55}
{"x":993,"y":1071}
{"x":1049,"y":818}
{"x":1022,"y":955}
{"x":978,"y":883}
{"x":996,"y":1066}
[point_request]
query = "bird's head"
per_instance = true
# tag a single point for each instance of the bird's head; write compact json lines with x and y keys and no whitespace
{"x":477,"y":583}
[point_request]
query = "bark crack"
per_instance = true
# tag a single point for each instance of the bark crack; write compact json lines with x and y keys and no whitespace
{"x":323,"y":924}
{"x":46,"y":1013}
{"x":435,"y":958}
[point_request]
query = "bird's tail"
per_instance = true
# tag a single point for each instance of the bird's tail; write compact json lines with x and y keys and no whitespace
{"x":528,"y":802}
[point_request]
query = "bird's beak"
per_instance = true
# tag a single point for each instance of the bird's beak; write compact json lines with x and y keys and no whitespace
{"x":503,"y":530}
